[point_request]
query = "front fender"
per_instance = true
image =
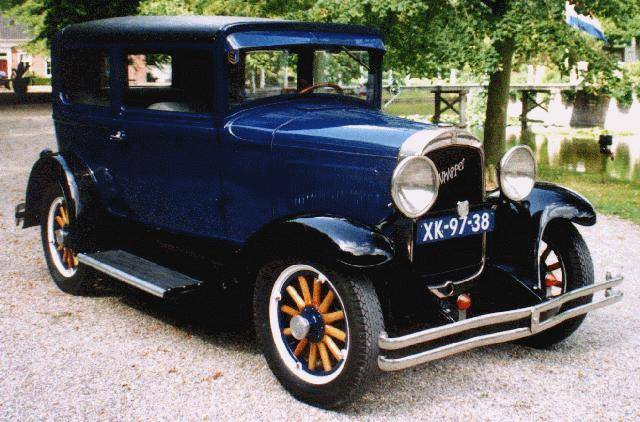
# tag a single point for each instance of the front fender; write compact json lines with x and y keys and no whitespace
{"x":333,"y":238}
{"x":519,"y":227}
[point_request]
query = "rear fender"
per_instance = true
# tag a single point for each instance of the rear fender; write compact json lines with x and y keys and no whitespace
{"x":74,"y":179}
{"x":519,"y":227}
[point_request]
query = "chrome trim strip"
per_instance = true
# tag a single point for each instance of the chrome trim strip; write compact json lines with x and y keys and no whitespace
{"x":121,"y":275}
{"x":427,"y":140}
{"x":71,"y":182}
{"x":532,"y":312}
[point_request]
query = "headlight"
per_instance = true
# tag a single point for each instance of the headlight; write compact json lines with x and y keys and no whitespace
{"x":414,"y":186}
{"x":517,"y":173}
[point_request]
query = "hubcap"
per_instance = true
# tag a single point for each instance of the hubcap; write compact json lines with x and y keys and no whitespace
{"x":299,"y":327}
{"x":308,"y":324}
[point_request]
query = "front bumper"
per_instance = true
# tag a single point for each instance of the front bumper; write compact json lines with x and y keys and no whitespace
{"x":530,"y":315}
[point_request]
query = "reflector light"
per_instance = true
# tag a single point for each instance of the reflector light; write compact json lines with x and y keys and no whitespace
{"x":463,"y":302}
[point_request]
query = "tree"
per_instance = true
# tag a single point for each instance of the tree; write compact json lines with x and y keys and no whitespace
{"x":46,"y":17}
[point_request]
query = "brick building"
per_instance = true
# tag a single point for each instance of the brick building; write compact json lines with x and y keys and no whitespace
{"x":12,"y":39}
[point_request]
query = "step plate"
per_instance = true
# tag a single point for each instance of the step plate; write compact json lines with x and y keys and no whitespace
{"x":139,"y":272}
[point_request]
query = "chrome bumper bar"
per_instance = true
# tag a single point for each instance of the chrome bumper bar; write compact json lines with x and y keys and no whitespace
{"x":535,"y":325}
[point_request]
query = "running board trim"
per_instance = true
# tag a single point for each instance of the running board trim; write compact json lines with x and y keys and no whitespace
{"x":121,"y":275}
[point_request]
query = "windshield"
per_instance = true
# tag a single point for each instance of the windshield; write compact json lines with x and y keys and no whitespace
{"x":258,"y":74}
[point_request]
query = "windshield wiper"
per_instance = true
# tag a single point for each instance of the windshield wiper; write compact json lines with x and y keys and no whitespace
{"x":354,"y":57}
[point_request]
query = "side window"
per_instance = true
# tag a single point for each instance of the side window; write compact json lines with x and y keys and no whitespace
{"x":85,"y":75}
{"x":261,"y":74}
{"x":179,"y":81}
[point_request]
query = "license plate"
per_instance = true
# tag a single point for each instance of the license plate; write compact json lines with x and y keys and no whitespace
{"x":450,"y":226}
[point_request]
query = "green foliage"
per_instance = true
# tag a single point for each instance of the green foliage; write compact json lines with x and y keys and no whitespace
{"x":37,"y":80}
{"x":46,"y":17}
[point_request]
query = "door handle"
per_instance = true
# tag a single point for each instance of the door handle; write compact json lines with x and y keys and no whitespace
{"x":117,"y":137}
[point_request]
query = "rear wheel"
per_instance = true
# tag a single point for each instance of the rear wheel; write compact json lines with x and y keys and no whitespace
{"x":565,"y":265}
{"x":318,"y":329}
{"x":56,"y":222}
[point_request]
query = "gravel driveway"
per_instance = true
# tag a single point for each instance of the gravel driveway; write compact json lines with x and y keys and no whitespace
{"x":122,"y":355}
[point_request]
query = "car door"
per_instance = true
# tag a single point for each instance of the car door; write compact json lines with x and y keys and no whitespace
{"x":167,"y":132}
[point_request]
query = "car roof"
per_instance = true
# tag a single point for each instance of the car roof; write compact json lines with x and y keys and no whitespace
{"x":190,"y":28}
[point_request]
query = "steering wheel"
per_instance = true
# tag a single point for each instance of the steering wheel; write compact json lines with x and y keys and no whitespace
{"x":313,"y":87}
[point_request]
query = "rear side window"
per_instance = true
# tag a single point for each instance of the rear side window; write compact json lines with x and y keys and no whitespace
{"x":179,"y":81}
{"x":85,"y":75}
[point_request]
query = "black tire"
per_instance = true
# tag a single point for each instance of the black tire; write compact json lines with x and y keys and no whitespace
{"x":565,"y":239}
{"x":82,"y":281}
{"x":365,"y":323}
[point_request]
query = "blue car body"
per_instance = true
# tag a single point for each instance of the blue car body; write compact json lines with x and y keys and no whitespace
{"x":315,"y":169}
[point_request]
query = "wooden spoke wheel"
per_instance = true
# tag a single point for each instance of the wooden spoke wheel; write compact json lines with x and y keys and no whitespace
{"x":58,"y":222}
{"x":308,"y":324}
{"x":565,"y":265}
{"x":552,"y":271}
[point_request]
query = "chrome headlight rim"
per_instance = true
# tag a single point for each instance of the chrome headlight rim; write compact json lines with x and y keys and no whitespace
{"x":503,"y":164}
{"x":395,"y":188}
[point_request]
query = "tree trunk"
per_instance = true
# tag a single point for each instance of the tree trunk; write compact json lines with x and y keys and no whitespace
{"x":495,"y":124}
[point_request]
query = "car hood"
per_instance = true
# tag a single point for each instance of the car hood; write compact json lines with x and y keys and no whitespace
{"x":325,"y":124}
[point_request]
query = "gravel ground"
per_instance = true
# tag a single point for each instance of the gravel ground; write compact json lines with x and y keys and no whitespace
{"x":121,"y":355}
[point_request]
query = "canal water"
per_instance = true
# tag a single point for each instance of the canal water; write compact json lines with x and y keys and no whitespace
{"x":575,"y":152}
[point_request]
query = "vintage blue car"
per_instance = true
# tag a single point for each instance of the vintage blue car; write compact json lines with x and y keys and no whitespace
{"x":197,"y":153}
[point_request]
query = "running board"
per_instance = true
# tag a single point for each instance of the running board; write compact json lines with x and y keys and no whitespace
{"x":139,"y":272}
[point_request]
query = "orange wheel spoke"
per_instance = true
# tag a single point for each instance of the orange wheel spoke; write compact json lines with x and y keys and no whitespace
{"x":295,"y":296}
{"x":300,"y":347}
{"x":304,"y":287}
{"x":335,"y":332}
{"x":289,"y":310}
{"x":64,"y":256}
{"x":60,"y":221}
{"x":65,"y":216}
{"x":326,"y":303}
{"x":70,"y":259}
{"x":286,"y":331}
{"x":333,"y":348}
{"x":554,"y":266}
{"x":324,"y":357}
{"x":333,"y":317}
{"x":317,"y":288}
{"x":313,"y":356}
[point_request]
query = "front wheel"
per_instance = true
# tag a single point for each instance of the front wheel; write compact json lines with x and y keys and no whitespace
{"x":565,"y":265}
{"x":318,"y":329}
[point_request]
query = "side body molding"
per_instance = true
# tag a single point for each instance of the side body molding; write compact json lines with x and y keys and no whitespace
{"x":519,"y":228}
{"x":351,"y":243}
